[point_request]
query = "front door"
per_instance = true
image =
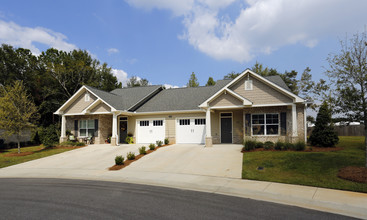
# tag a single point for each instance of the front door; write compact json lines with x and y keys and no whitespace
{"x":226,"y":127}
{"x":123,"y":131}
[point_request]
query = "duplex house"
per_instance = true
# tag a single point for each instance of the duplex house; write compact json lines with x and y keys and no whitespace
{"x":247,"y":107}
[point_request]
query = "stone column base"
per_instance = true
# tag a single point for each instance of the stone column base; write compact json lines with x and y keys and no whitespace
{"x":208,"y":142}
{"x":63,"y":139}
{"x":113,"y":141}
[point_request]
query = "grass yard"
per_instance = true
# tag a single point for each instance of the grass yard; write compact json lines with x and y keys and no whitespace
{"x":318,"y":169}
{"x":38,"y":152}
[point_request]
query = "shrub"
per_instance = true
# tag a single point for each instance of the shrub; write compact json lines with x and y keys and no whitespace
{"x":151,"y":146}
{"x":166,"y":141}
{"x":259,"y":145}
{"x":323,"y":134}
{"x":142,"y":150}
{"x":79,"y":144}
{"x":36,"y":138}
{"x":268,"y":145}
{"x":2,"y":145}
{"x":300,"y":146}
{"x":159,"y":143}
{"x":129,"y":140}
{"x":71,"y":143}
{"x":288,"y":146}
{"x":130,"y":156}
{"x":279,"y":145}
{"x":249,"y":145}
{"x":119,"y":160}
{"x":12,"y":144}
{"x":48,"y":136}
{"x":130,"y":134}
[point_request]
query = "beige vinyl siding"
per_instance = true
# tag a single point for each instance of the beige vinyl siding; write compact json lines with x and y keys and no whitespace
{"x":101,"y":107}
{"x":226,"y":100}
{"x":79,"y":104}
{"x":261,"y":93}
{"x":170,"y":123}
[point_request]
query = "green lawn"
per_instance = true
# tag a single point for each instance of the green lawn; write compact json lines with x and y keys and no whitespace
{"x":39,"y":152}
{"x":307,"y":168}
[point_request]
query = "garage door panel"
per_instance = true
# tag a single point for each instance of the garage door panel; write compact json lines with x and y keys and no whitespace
{"x":190,"y":131}
{"x":150,"y":131}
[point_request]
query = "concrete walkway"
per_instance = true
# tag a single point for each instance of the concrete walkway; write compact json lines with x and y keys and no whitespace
{"x":151,"y":171}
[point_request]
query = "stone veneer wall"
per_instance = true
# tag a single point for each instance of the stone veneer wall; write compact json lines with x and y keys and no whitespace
{"x":104,"y":126}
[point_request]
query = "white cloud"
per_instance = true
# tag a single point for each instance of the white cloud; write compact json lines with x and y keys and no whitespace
{"x":262,"y":26}
{"x":121,"y":76}
{"x":112,"y":51}
{"x":26,"y":37}
{"x":168,"y":86}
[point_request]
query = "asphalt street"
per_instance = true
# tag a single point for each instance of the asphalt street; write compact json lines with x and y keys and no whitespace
{"x":81,"y":199}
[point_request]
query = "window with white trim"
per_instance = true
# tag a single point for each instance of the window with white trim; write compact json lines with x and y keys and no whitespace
{"x":248,"y":84}
{"x":86,"y":128}
{"x":265,"y":124}
{"x":200,"y":121}
{"x":157,"y":122}
{"x":144,"y":123}
{"x":184,"y":121}
{"x":86,"y":97}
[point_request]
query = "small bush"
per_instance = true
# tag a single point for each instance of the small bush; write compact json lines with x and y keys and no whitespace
{"x":129,"y":140}
{"x":71,"y":143}
{"x":166,"y":141}
{"x":159,"y":143}
{"x":278,"y":145}
{"x":151,"y":146}
{"x":288,"y":146}
{"x":300,"y":146}
{"x":79,"y":144}
{"x":142,"y":150}
{"x":119,"y":160}
{"x":259,"y":145}
{"x":36,"y":138}
{"x":130,"y":156}
{"x":268,"y":145}
{"x":48,"y":136}
{"x":249,"y":145}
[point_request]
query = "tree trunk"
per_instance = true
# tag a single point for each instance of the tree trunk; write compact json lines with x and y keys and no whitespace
{"x":365,"y":139}
{"x":18,"y":146}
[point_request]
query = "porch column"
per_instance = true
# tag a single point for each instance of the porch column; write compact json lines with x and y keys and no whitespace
{"x":114,"y":130}
{"x":63,"y":137}
{"x":294,"y":121}
{"x":208,"y":138}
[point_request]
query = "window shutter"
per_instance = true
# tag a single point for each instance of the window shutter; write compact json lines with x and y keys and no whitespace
{"x":76,"y":127}
{"x":283,"y":123}
{"x":95,"y":127}
{"x":248,"y":124}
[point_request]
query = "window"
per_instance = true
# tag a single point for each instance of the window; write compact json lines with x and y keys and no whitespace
{"x":86,"y":128}
{"x":123,"y":119}
{"x":248,"y":84}
{"x":223,"y":115}
{"x":184,"y":121}
{"x":158,"y":123}
{"x":144,"y":123}
{"x":200,"y":121}
{"x":86,"y":97}
{"x":265,"y":124}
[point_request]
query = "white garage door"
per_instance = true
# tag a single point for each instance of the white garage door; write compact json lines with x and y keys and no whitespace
{"x":190,"y":131}
{"x":150,"y":131}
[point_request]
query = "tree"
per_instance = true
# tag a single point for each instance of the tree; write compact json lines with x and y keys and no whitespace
{"x":17,"y":111}
{"x":323,"y":134}
{"x":348,"y":73}
{"x":231,"y":75}
{"x":135,"y":81}
{"x":210,"y":82}
{"x":193,"y":81}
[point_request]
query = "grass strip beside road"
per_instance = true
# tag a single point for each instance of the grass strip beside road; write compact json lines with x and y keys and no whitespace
{"x":317,"y":169}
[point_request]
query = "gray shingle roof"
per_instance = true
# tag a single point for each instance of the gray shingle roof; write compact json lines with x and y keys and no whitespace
{"x":181,"y":98}
{"x":278,"y":81}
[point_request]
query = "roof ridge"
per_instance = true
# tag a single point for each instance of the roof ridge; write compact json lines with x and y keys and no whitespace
{"x":91,"y":87}
{"x":137,"y":87}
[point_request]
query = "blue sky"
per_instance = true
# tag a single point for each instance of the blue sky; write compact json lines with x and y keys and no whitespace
{"x":165,"y":40}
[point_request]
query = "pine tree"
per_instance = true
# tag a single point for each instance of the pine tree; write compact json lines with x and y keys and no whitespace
{"x":193,"y":81}
{"x":210,"y":82}
{"x":323,"y":134}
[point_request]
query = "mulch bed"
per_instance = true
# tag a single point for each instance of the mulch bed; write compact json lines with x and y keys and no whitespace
{"x":137,"y":157}
{"x":18,"y":155}
{"x":355,"y":174}
{"x":308,"y":149}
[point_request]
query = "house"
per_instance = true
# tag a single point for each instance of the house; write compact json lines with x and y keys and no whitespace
{"x":247,"y":107}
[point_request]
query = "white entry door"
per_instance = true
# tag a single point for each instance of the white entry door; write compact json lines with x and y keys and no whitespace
{"x":150,"y":131}
{"x":190,"y":131}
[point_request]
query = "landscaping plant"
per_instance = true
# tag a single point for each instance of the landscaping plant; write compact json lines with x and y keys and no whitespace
{"x":279,"y":145}
{"x":119,"y":160}
{"x":129,"y":140}
{"x":151,"y":146}
{"x":166,"y":141}
{"x":249,"y":145}
{"x":159,"y":143}
{"x":142,"y":150}
{"x":268,"y":145}
{"x":323,"y":134}
{"x":130,"y":156}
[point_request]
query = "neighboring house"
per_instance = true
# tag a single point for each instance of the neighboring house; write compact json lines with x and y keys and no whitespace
{"x":249,"y":106}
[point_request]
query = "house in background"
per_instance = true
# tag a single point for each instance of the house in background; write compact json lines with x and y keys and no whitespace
{"x":247,"y":107}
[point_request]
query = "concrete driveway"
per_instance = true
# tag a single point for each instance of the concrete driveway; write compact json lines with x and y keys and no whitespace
{"x":223,"y":160}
